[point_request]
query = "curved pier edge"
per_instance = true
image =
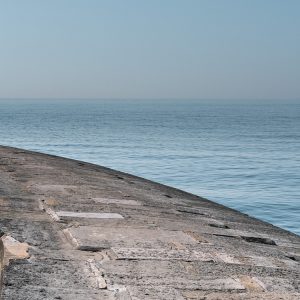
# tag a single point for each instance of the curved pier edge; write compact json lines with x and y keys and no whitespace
{"x":75,"y":230}
{"x":1,"y":265}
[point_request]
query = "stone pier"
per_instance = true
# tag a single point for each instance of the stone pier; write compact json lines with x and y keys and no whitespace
{"x":1,"y":264}
{"x":74,"y":230}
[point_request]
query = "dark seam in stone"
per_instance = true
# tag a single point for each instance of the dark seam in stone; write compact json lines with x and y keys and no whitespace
{"x":253,"y":239}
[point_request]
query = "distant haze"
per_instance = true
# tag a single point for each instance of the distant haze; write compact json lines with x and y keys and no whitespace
{"x":150,"y":49}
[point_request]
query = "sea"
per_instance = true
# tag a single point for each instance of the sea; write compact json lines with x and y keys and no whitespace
{"x":244,"y":154}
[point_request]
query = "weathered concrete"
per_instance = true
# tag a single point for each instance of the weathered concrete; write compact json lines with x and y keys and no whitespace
{"x":1,"y":264}
{"x":73,"y":230}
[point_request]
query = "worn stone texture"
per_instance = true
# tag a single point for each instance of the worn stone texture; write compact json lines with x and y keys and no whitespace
{"x":74,"y":230}
{"x":1,"y":264}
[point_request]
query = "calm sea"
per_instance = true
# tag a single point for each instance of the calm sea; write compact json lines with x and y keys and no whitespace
{"x":245,"y":155}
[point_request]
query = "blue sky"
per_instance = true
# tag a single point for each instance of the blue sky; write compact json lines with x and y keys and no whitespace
{"x":150,"y":49}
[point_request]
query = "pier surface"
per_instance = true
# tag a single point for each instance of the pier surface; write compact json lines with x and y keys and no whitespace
{"x":74,"y":230}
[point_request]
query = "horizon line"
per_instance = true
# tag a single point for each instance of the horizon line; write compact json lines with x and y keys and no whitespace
{"x":144,"y":98}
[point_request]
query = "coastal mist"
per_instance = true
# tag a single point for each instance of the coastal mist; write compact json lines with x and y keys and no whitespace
{"x":243,"y":154}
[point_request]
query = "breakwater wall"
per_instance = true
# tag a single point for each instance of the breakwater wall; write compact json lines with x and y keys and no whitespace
{"x":75,"y":230}
{"x":1,"y":265}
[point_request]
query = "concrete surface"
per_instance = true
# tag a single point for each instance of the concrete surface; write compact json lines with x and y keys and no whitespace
{"x":1,"y":264}
{"x":73,"y":230}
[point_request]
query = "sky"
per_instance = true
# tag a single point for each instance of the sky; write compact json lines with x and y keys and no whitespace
{"x":214,"y":49}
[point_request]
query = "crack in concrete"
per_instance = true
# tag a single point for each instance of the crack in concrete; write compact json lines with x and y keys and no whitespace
{"x":44,"y":207}
{"x":98,"y":274}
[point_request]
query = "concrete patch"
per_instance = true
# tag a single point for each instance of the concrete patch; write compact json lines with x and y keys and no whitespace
{"x":38,"y":167}
{"x":281,"y":285}
{"x":252,"y":284}
{"x":261,"y":261}
{"x":85,"y":215}
{"x":201,"y":295}
{"x":50,"y":293}
{"x":161,"y":254}
{"x":225,"y":257}
{"x":176,"y":245}
{"x":264,"y":261}
{"x":125,"y":237}
{"x":54,"y":187}
{"x":117,"y":201}
{"x":208,"y":284}
{"x":61,"y":189}
{"x":153,"y":293}
{"x":196,"y":236}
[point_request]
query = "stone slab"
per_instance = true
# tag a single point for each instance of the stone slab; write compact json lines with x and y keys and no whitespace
{"x":253,"y":260}
{"x":201,"y":295}
{"x":85,"y":215}
{"x":117,"y":201}
{"x":161,"y":254}
{"x":45,"y":292}
{"x":209,"y":284}
{"x":126,"y":237}
{"x":60,"y":188}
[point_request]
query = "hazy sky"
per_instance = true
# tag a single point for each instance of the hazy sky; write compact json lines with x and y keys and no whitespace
{"x":150,"y":48}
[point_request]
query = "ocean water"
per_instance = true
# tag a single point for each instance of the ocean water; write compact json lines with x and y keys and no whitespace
{"x":243,"y":154}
